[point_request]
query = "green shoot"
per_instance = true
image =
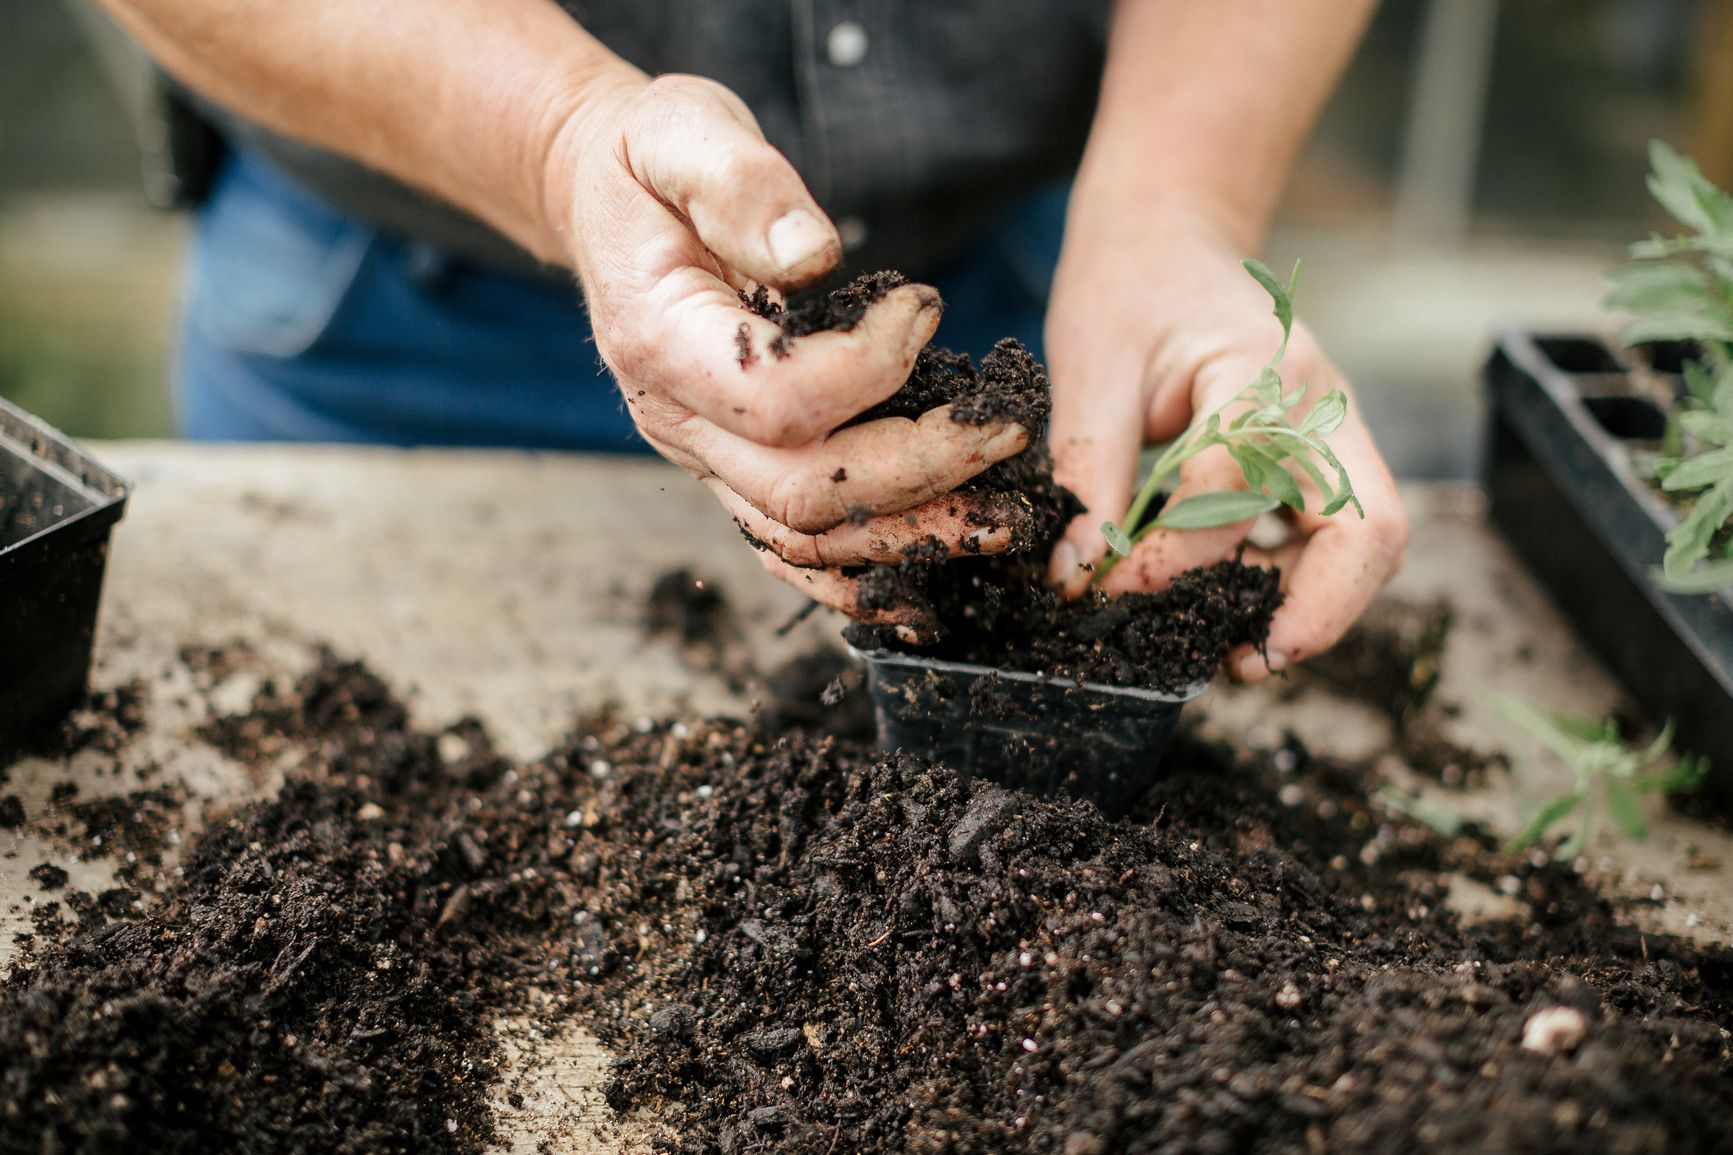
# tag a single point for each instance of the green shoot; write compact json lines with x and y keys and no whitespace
{"x":1443,"y":820}
{"x":1609,"y":775}
{"x":1681,"y":289}
{"x":1255,"y":428}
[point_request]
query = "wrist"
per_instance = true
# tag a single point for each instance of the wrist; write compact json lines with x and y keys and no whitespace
{"x":582,"y":116}
{"x":1132,"y":202}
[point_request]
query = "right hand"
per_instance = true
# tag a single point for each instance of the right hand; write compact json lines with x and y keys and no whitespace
{"x":670,"y":200}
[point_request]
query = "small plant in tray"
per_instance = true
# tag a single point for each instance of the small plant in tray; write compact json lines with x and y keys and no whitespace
{"x":1681,"y":289}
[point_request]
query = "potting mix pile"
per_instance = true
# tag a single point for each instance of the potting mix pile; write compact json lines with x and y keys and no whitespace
{"x":794,"y":943}
{"x":798,"y":944}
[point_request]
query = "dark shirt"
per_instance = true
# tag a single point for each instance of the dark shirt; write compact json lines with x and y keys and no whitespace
{"x":912,"y":121}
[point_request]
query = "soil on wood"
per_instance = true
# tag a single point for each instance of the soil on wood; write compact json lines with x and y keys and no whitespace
{"x":1391,"y":661}
{"x":798,"y":944}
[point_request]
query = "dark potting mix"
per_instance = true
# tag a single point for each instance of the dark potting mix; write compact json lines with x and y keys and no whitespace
{"x":791,"y":942}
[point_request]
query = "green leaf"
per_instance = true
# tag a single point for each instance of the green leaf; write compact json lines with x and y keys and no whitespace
{"x":1264,"y":474}
{"x":1327,"y":415}
{"x":1680,"y":325}
{"x":1281,"y":295}
{"x":1329,"y":494}
{"x":1656,"y":749}
{"x":1549,"y":814}
{"x":1654,"y":286}
{"x":1685,"y":192}
{"x":1623,"y":807}
{"x":1587,"y":729}
{"x":1721,"y":392}
{"x":1716,"y":245}
{"x":1345,"y":494}
{"x":1268,"y":387}
{"x":1702,"y":579}
{"x":1210,"y":510}
{"x":1688,"y":772}
{"x":1567,"y":740}
{"x":1704,"y":469}
{"x":1707,"y":426}
{"x":1699,"y":383}
{"x":1573,"y":846}
{"x":1688,"y":542}
{"x":1117,"y":541}
{"x":1442,"y":819}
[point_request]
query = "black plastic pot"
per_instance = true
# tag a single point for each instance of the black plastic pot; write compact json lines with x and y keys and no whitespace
{"x":1568,"y":416}
{"x":57,"y":508}
{"x":1031,"y":732}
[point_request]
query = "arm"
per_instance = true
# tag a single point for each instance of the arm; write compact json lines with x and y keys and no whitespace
{"x":1203,"y":110}
{"x":664,"y":197}
{"x":463,"y":98}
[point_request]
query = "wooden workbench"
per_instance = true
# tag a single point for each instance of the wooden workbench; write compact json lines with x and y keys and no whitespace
{"x":511,"y":586}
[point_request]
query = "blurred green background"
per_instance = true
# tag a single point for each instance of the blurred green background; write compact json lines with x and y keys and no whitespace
{"x":1481,"y":164}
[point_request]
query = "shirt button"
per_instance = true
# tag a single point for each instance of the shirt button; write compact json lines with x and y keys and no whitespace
{"x":846,"y":45}
{"x":852,"y":231}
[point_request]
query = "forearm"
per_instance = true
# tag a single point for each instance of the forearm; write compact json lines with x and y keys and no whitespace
{"x":463,"y":98}
{"x":1204,"y":106}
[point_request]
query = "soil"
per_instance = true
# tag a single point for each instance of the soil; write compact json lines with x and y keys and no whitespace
{"x":1391,"y":661}
{"x":999,"y":611}
{"x":796,"y":944}
{"x":838,"y":310}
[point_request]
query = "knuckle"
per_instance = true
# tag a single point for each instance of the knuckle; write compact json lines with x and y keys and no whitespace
{"x":799,"y":501}
{"x":778,"y":424}
{"x":793,"y":548}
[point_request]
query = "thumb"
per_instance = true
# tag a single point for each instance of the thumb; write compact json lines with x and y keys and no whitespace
{"x":696,"y":146}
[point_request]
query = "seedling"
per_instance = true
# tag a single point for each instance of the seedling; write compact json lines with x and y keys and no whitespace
{"x":1609,"y":774}
{"x":1681,"y":288}
{"x":1262,"y":441}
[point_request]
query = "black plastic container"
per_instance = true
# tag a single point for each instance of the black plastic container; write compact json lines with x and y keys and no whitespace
{"x":57,"y":508}
{"x":1042,"y":734}
{"x":1568,"y":416}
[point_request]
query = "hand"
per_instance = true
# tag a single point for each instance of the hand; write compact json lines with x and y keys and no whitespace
{"x":1144,"y":331}
{"x":672,"y":201}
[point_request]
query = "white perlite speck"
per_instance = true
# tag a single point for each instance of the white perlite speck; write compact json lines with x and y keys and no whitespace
{"x":1552,"y":1030}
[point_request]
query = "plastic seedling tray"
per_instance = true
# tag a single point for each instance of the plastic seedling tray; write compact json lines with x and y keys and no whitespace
{"x":57,"y":509}
{"x":1568,"y":418}
{"x":1029,"y":731}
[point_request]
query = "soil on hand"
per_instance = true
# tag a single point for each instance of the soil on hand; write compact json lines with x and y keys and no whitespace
{"x":800,"y":945}
{"x":999,"y":611}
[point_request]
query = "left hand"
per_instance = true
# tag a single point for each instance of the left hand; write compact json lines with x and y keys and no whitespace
{"x":1153,"y":320}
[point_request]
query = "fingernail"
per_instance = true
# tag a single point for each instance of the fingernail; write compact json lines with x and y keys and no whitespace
{"x":1062,"y":570}
{"x":1254,"y":667}
{"x":1012,"y":439}
{"x":797,"y":238}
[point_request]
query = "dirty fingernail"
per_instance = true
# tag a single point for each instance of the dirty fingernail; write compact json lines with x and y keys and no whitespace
{"x":797,"y":238}
{"x":992,"y":540}
{"x":1063,"y":568}
{"x":1255,"y":666}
